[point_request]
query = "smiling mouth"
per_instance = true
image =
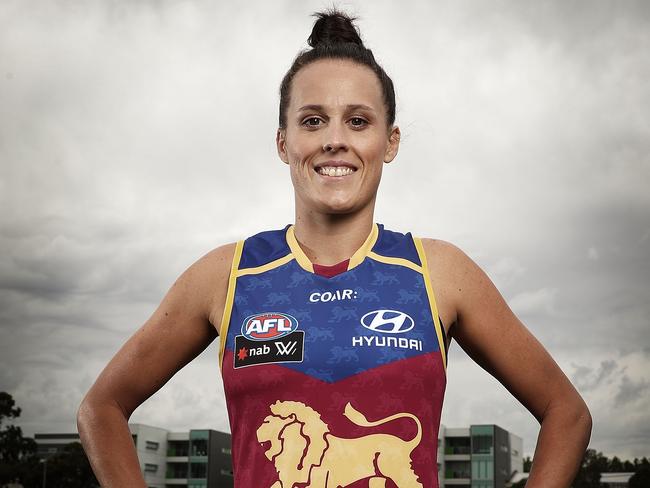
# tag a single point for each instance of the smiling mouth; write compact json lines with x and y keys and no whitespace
{"x":336,"y":171}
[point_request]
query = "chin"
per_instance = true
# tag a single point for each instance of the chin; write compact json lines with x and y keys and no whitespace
{"x":339,"y":206}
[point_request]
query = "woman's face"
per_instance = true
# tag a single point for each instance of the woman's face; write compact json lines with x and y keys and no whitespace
{"x":336,"y":137}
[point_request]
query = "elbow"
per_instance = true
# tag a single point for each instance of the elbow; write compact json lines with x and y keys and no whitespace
{"x":85,"y":412}
{"x":586,"y":421}
{"x":94,"y":407}
{"x":573,"y":414}
{"x":89,"y":411}
{"x":583,"y":415}
{"x":579,"y":420}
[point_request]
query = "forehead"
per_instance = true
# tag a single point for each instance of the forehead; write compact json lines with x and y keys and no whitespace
{"x":336,"y":83}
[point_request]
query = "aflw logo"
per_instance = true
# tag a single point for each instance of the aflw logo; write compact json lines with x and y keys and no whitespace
{"x":387,"y":321}
{"x":286,"y":349}
{"x":269,"y":337}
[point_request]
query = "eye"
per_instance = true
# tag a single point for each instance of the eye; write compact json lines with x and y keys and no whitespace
{"x":358,"y":122}
{"x":312,"y":122}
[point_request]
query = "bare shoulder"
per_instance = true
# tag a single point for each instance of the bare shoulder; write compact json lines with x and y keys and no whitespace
{"x":451,"y":272}
{"x":217,"y":261}
{"x":208,"y":277}
{"x":443,"y":254}
{"x":199,"y":293}
{"x":449,"y":263}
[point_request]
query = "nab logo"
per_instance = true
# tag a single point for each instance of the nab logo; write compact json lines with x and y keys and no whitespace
{"x":268,"y":325}
{"x":387,"y":321}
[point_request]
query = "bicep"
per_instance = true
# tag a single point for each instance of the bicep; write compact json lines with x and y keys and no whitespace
{"x":177,"y":331}
{"x":490,"y":333}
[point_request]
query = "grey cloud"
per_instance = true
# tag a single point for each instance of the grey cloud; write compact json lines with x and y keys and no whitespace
{"x":586,"y":378}
{"x":630,"y":390}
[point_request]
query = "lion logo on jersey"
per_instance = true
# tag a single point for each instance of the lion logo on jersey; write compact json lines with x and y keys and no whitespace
{"x":304,"y":451}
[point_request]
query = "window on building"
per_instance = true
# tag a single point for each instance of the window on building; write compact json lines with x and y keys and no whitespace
{"x":226,"y":450}
{"x":151,"y":445}
{"x":150,"y":468}
{"x":199,"y":447}
{"x":457,"y":445}
{"x":482,"y":469}
{"x":457,"y":469}
{"x":178,"y":448}
{"x":482,"y":444}
{"x":177,"y":470}
{"x":226,"y":472}
{"x":198,"y":470}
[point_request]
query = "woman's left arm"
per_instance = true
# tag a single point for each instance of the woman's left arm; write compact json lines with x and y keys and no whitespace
{"x":490,"y":333}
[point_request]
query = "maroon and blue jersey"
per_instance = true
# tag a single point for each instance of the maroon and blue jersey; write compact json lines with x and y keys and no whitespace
{"x":332,"y":381}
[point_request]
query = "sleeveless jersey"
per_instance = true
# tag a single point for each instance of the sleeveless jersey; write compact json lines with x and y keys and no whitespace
{"x":332,"y":382}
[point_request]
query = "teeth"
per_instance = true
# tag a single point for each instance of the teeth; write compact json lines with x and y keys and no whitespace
{"x":335,"y":170}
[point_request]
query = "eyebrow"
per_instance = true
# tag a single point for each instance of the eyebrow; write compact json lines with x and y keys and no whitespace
{"x":320,"y":108}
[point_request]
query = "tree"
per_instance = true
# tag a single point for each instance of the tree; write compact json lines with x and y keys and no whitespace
{"x":528,"y":463}
{"x":18,"y":460}
{"x":16,"y":451}
{"x":615,"y":465}
{"x":641,"y":479}
{"x":628,"y":466}
{"x":593,"y":463}
{"x":71,"y":468}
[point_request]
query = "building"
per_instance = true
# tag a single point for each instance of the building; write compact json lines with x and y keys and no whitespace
{"x":194,"y":459}
{"x":615,"y":480}
{"x":479,"y":456}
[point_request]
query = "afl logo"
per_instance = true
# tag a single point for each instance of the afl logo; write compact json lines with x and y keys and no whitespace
{"x":387,"y":321}
{"x":268,"y":325}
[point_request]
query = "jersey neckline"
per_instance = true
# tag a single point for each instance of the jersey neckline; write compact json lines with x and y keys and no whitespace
{"x":355,"y":260}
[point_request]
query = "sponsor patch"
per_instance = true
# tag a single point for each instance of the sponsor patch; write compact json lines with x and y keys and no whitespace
{"x":391,"y":322}
{"x":287,"y":349}
{"x":332,"y":296}
{"x":387,"y":321}
{"x":268,"y":325}
{"x":270,"y":337}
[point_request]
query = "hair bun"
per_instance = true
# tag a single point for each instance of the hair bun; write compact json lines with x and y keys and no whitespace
{"x":333,"y":27}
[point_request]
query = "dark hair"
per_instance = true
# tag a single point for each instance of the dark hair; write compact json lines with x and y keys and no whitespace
{"x":334,"y":36}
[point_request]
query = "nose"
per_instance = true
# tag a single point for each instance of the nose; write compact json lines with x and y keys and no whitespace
{"x":335,"y":138}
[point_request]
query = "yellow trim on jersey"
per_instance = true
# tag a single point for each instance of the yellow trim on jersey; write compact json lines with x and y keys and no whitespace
{"x":432,"y":300}
{"x":265,"y":267}
{"x":297,"y":252}
{"x":230,"y":296}
{"x":365,"y":248}
{"x":355,"y":260}
{"x":397,"y":261}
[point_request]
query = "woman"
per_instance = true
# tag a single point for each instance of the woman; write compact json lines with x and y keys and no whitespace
{"x":333,"y":342}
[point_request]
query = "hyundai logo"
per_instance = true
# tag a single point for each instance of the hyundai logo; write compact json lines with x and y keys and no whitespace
{"x":387,"y":321}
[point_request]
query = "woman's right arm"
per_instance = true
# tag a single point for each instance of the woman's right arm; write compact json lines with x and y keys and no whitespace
{"x":183,"y":325}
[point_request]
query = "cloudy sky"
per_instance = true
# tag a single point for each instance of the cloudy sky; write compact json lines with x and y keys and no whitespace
{"x":136,"y":137}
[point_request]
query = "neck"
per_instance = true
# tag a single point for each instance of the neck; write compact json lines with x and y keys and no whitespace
{"x":328,"y":239}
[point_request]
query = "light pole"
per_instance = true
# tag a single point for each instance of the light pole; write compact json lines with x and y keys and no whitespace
{"x":44,"y":461}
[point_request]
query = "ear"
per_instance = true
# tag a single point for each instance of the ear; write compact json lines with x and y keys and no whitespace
{"x":393,"y":144}
{"x":280,"y":143}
